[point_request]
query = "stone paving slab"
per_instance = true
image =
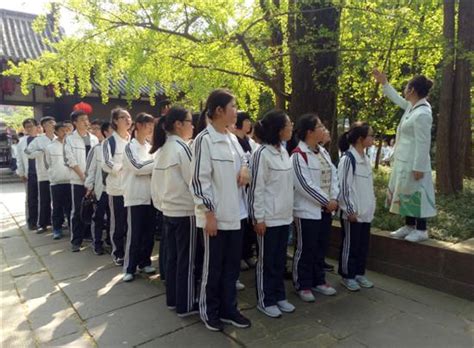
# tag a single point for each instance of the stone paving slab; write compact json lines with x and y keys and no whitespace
{"x":66,"y":264}
{"x":410,"y":331}
{"x":192,"y":336}
{"x":51,"y":249}
{"x":51,"y":297}
{"x":104,"y":291}
{"x":142,"y":322}
{"x":75,"y":340}
{"x":267,"y":332}
{"x":51,"y":317}
{"x":36,"y":286}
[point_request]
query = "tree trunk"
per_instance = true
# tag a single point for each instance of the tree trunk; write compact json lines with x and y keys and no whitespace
{"x":469,"y":170}
{"x":462,"y":97}
{"x":443,"y":145}
{"x":276,"y":46}
{"x":314,"y":67}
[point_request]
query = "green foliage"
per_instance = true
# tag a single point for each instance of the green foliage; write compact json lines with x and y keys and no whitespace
{"x":194,"y":46}
{"x":404,"y":39}
{"x":13,"y":116}
{"x":453,"y":223}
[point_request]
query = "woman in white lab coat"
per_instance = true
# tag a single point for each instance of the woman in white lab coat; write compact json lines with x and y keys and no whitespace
{"x":411,"y":191}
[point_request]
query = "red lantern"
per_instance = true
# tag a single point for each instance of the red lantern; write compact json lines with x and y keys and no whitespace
{"x":87,"y":108}
{"x":8,"y":86}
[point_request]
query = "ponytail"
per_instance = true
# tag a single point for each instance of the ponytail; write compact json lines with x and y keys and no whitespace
{"x":269,"y":127}
{"x":165,"y":125}
{"x":159,"y":135}
{"x":356,"y":131}
{"x":343,"y":142}
{"x":202,"y":121}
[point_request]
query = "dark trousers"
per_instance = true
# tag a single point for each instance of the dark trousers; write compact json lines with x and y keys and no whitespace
{"x":140,"y":237}
{"x":354,"y":248}
{"x":32,"y":200}
{"x":182,"y":281}
{"x":249,"y":239}
{"x":44,"y":203}
{"x":160,"y":234}
{"x":311,"y":245}
{"x":98,"y":219}
{"x":61,"y":198}
{"x":419,"y":223}
{"x":78,"y":229}
{"x":221,"y":268}
{"x":118,"y":226}
{"x":271,"y":265}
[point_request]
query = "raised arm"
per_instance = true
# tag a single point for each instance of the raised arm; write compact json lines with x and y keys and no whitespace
{"x":389,"y":91}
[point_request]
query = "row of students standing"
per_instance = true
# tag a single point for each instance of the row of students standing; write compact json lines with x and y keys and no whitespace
{"x":210,"y":191}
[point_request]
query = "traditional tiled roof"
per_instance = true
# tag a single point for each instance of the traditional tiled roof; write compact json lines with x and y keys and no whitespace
{"x":18,"y":40}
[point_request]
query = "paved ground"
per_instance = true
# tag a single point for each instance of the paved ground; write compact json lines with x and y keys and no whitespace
{"x":52,"y":297}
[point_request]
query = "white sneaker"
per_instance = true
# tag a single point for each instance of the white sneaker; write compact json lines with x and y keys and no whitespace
{"x":325,"y":289}
{"x":364,"y":282}
{"x":271,"y":311}
{"x":127,"y":277}
{"x":306,"y":296}
{"x":148,"y":269}
{"x":417,"y":236}
{"x":285,"y":306}
{"x":402,"y":232}
{"x":239,"y":286}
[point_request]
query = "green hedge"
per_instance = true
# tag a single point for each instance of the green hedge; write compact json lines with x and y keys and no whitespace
{"x":455,"y":219}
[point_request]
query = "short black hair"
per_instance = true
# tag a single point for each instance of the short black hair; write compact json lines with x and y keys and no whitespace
{"x":96,"y":122}
{"x":76,"y":114}
{"x":29,"y":120}
{"x":46,"y":119}
{"x":104,"y":128}
{"x":59,"y":125}
{"x":241,"y":117}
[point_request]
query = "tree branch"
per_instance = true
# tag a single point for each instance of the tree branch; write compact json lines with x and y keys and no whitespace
{"x":226,"y":71}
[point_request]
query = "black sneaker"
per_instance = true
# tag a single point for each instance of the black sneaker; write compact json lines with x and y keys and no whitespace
{"x":118,"y":261}
{"x":75,"y":248}
{"x":32,"y":227}
{"x":328,"y":267}
{"x":99,"y":251}
{"x":214,"y":325}
{"x":238,"y":320}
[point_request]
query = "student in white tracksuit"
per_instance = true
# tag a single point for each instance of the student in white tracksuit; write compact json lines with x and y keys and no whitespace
{"x":36,"y":150}
{"x":247,"y":146}
{"x":113,"y":151}
{"x":271,"y":210}
{"x":357,"y":203}
{"x":95,"y":185}
{"x":26,"y":170}
{"x":59,"y":179}
{"x":76,"y":148}
{"x":316,"y":191}
{"x":215,"y":187}
{"x":137,"y":168}
{"x":171,"y":195}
